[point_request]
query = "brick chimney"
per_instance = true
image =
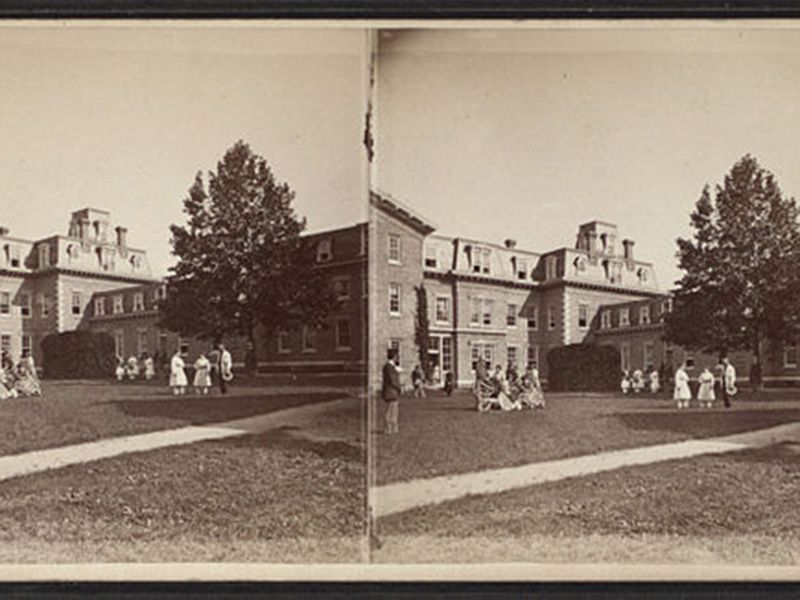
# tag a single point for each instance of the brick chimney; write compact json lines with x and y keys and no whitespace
{"x":511,"y":244}
{"x":122,"y":236}
{"x":627,"y":249}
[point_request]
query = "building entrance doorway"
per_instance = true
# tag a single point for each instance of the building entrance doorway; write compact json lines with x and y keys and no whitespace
{"x":440,"y":356}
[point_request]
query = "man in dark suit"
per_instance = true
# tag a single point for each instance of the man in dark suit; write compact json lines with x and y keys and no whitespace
{"x":390,"y":392}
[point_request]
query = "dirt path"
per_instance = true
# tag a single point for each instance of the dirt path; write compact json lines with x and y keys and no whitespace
{"x":398,"y":497}
{"x":17,"y":465}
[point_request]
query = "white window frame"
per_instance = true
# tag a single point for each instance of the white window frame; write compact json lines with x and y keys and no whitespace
{"x":283,"y":342}
{"x":342,"y":288}
{"x":582,"y":307}
{"x":395,"y":293}
{"x":486,"y":313}
{"x":533,"y":319}
{"x":44,"y":305}
{"x":141,"y":336}
{"x":309,"y":339}
{"x":624,"y":316}
{"x":605,"y":319}
{"x":5,"y":303}
{"x":475,"y":309}
{"x":447,"y":310}
{"x":511,"y":315}
{"x":432,"y":255}
{"x":339,"y":345}
{"x":324,"y":250}
{"x":99,"y":307}
{"x":481,"y":260}
{"x":522,"y":268}
{"x":394,"y":248}
{"x":25,"y":305}
{"x":644,"y":315}
{"x":447,"y":353}
{"x":625,"y":356}
{"x":76,"y":308}
{"x":652,"y":362}
{"x":512,"y":349}
{"x":118,"y":305}
{"x":26,"y":345}
{"x":138,"y":302}
{"x":786,"y":363}
{"x":551,"y":268}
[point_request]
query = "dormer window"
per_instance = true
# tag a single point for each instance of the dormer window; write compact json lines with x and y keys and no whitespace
{"x":522,"y":268}
{"x":99,"y":307}
{"x":431,"y":260}
{"x":642,"y":274}
{"x":580,"y":264}
{"x":44,"y":256}
{"x":624,"y":317}
{"x":118,"y":306}
{"x":481,"y":260}
{"x":72,"y":251}
{"x":324,"y":253}
{"x":551,"y":267}
{"x":136,"y":261}
{"x":644,"y":315}
{"x":13,"y":256}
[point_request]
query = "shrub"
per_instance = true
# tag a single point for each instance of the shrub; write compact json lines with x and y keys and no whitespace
{"x":78,"y":355}
{"x":583,"y":368}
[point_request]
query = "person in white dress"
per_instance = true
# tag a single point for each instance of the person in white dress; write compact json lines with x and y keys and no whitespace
{"x":149,"y":367}
{"x":133,"y":368}
{"x":202,"y":375}
{"x":638,"y":381}
{"x":625,"y":384}
{"x":120,"y":370}
{"x":655,"y":383}
{"x":225,"y":369}
{"x":705,"y":395}
{"x":177,"y":375}
{"x":683,"y":393}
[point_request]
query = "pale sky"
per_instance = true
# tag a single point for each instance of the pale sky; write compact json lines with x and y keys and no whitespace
{"x":527,"y":134}
{"x":122,"y":118}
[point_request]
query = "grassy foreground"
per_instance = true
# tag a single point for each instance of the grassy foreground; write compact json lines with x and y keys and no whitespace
{"x":730,"y":508}
{"x":442,"y":436}
{"x":272,"y":497}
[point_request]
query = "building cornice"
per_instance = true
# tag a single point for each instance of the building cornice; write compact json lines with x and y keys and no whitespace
{"x":456,"y":276}
{"x":626,"y":329}
{"x":602,"y":288}
{"x":89,"y":275}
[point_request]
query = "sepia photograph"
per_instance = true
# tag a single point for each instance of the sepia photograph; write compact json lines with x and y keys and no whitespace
{"x":183,"y":290}
{"x":585,"y":297}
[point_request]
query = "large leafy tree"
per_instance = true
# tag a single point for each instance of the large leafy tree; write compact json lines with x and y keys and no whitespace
{"x":741,"y":284}
{"x":242,"y":263}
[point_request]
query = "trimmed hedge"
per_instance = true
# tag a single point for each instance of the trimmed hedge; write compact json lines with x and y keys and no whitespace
{"x":583,"y":368}
{"x":78,"y":355}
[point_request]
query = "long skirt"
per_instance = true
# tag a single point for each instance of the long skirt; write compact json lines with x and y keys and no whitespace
{"x":202,"y":378}
{"x":177,"y":378}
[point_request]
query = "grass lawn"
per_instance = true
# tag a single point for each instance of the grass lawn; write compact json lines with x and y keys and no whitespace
{"x":74,"y":412}
{"x":287,"y":495}
{"x":441,"y":435}
{"x":736,"y":507}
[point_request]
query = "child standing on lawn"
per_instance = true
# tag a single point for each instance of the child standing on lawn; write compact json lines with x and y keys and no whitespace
{"x":202,"y":375}
{"x":705,"y":394}
{"x":683,"y":393}
{"x":177,"y":376}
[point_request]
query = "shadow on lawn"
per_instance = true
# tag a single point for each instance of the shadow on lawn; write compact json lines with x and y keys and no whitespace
{"x":197,"y":410}
{"x":709,"y":422}
{"x":291,"y":439}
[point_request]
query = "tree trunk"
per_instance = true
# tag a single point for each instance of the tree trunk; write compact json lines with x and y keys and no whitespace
{"x":250,"y":357}
{"x":756,"y":370}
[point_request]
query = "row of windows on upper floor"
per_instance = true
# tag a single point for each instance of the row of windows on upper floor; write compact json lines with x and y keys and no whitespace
{"x":482,"y":310}
{"x":624,"y":315}
{"x":12,"y":255}
{"x":480,"y":262}
{"x":45,"y":302}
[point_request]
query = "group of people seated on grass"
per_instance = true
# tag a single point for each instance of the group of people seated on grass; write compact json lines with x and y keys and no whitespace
{"x":134,"y":368}
{"x":217,"y":365}
{"x":18,"y":379}
{"x":638,"y":382}
{"x":507,"y":390}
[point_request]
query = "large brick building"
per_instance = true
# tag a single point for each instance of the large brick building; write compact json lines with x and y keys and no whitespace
{"x":93,"y":279}
{"x":504,"y":303}
{"x":46,"y":285}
